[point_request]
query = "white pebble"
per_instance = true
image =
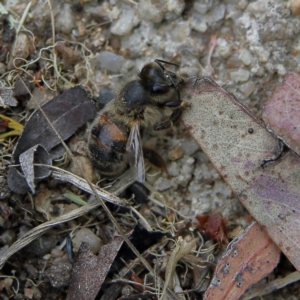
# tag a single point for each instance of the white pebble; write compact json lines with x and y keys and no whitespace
{"x":240,"y":75}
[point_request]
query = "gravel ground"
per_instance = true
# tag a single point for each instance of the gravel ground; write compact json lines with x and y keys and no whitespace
{"x":247,"y":47}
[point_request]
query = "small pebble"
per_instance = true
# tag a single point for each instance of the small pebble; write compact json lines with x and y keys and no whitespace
{"x":216,"y":14}
{"x":22,"y":49}
{"x":243,"y":4}
{"x":263,"y":55}
{"x":162,"y":184}
{"x":55,"y":252}
{"x":247,"y":88}
{"x":176,"y":153}
{"x":8,"y":237}
{"x":37,"y":294}
{"x":38,"y":97}
{"x":47,"y":257}
{"x":240,"y":75}
{"x":85,"y":164}
{"x":189,"y":147}
{"x":65,"y":19}
{"x":59,"y":275}
{"x":173,"y":169}
{"x":246,"y":57}
{"x":223,"y":48}
{"x":183,"y":180}
{"x":281,"y":70}
{"x":258,"y":70}
{"x":234,"y":61}
{"x":28,"y":293}
{"x":2,"y":68}
{"x":110,"y":61}
{"x":126,"y":22}
{"x":203,"y":7}
{"x":88,"y":236}
{"x":198,"y":25}
{"x":257,"y":8}
{"x":151,"y":12}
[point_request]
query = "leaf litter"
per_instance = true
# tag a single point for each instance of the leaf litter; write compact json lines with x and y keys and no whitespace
{"x":248,"y":259}
{"x":89,"y":271}
{"x":239,"y":185}
{"x":38,"y":138}
{"x":237,"y":144}
{"x":63,"y":81}
{"x":281,"y":112}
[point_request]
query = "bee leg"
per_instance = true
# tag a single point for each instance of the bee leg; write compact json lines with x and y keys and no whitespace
{"x":140,"y":192}
{"x":155,"y":159}
{"x":173,"y":118}
{"x":164,"y":125}
{"x":175,"y":103}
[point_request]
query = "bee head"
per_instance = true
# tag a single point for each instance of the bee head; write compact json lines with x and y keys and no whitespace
{"x":157,"y":79}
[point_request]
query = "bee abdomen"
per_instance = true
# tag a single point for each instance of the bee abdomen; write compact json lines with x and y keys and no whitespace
{"x":107,"y":147}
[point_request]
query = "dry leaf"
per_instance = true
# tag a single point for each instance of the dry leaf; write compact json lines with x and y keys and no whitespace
{"x":19,"y":182}
{"x":282,"y":111}
{"x":89,"y":271}
{"x":182,"y":247}
{"x":67,"y":112}
{"x":249,"y":258}
{"x":271,"y":286}
{"x":237,"y":143}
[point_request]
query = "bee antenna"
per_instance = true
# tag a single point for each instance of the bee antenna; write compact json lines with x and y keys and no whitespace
{"x":160,"y":61}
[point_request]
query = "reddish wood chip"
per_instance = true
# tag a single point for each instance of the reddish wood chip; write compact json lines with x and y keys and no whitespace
{"x":249,"y":258}
{"x":214,"y":226}
{"x":282,"y":111}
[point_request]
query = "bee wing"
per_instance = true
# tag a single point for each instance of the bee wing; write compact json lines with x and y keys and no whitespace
{"x":134,"y":148}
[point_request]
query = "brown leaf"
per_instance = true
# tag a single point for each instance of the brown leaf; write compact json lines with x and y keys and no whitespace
{"x":35,"y":154}
{"x":20,"y":182}
{"x":237,"y":143}
{"x":89,"y":271}
{"x":67,"y":112}
{"x":250,"y":258}
{"x":282,"y":111}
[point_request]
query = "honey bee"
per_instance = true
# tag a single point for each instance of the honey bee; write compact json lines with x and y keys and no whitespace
{"x":114,"y":142}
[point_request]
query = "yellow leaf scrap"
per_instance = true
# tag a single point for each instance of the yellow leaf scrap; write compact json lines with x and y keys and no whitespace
{"x":16,"y":126}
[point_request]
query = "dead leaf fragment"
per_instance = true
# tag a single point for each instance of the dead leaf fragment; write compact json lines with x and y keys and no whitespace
{"x":182,"y":247}
{"x":281,"y":113}
{"x":89,"y":271}
{"x":249,"y":258}
{"x":19,"y":182}
{"x":38,"y":155}
{"x":271,"y":286}
{"x":237,"y":143}
{"x":67,"y":112}
{"x":233,"y":139}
